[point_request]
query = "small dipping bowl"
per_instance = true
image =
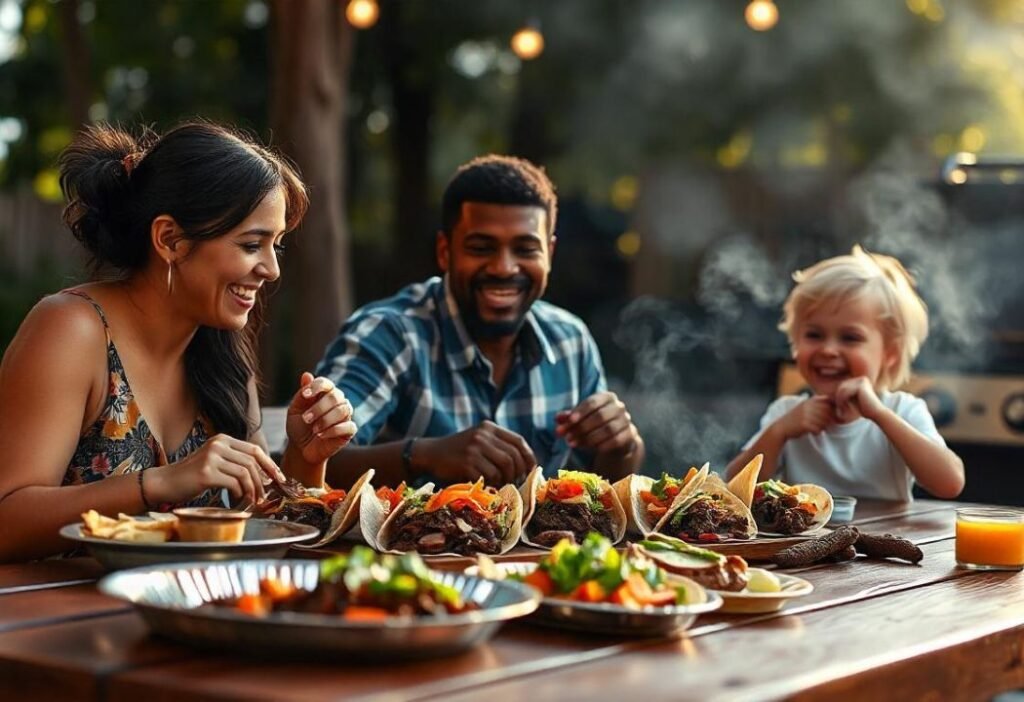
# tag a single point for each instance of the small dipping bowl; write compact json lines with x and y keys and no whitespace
{"x":211,"y":524}
{"x":842,"y":509}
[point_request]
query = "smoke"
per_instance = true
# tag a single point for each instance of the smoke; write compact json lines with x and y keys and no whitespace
{"x":968,"y":272}
{"x":736,"y":271}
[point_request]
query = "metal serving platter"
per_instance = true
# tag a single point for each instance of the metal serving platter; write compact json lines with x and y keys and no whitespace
{"x":264,"y":538}
{"x":607,"y":618}
{"x":174,"y":602}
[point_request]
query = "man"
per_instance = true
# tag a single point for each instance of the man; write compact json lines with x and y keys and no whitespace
{"x":472,"y":374}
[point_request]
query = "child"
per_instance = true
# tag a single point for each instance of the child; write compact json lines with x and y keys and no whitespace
{"x":854,"y":324}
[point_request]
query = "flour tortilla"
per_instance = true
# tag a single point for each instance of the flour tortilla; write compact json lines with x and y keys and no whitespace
{"x":711,"y":484}
{"x":344,"y":515}
{"x":373,"y":513}
{"x":507,"y":495}
{"x":531,"y":487}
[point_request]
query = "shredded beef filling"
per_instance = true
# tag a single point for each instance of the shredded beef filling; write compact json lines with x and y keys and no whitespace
{"x":706,"y":518}
{"x":781,"y":515}
{"x":441,"y":532}
{"x":576,"y":518}
{"x":305,"y":513}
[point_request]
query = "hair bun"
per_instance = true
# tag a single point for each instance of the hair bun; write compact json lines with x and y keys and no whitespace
{"x":94,"y":177}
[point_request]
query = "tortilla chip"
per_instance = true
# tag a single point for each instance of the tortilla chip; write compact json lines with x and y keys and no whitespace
{"x":129,"y":528}
{"x":743,"y":483}
{"x":344,"y":515}
{"x":507,"y":495}
{"x":531,"y":487}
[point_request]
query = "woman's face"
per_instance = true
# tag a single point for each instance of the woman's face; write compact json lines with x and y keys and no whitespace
{"x":218,"y":279}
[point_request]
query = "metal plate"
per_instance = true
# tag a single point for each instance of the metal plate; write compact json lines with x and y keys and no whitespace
{"x":264,"y":538}
{"x":744,"y":602}
{"x":606,"y":618}
{"x":172,"y":599}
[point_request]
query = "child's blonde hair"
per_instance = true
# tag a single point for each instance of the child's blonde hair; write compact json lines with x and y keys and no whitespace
{"x":903,"y":316}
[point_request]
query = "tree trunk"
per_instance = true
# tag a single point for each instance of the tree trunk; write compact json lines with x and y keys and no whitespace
{"x":75,"y":65}
{"x":311,"y":58}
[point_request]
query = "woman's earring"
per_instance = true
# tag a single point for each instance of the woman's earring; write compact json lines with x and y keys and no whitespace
{"x":170,"y":279}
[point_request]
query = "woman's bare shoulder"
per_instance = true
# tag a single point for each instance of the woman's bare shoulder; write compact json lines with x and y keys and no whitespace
{"x":60,"y":325}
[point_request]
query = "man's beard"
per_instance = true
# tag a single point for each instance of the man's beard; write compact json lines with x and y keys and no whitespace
{"x":469,"y":309}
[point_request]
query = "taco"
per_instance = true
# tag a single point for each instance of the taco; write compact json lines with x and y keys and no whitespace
{"x":707,"y":512}
{"x":571,"y":505}
{"x":464,"y":519}
{"x":333,"y":512}
{"x":714,"y":571}
{"x":376,"y":505}
{"x":779,"y":508}
{"x":647,"y":500}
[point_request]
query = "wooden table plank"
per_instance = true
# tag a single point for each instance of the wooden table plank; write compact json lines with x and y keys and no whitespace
{"x":43,"y":607}
{"x":71,"y":660}
{"x":823,"y":654}
{"x":20,"y":577}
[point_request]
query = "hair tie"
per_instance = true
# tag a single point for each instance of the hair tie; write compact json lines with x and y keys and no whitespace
{"x":130,"y":161}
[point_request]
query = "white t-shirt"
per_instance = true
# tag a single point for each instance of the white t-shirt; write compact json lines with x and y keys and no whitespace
{"x":855,"y":458}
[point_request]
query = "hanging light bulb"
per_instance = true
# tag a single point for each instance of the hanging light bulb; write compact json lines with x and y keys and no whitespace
{"x":362,"y":14}
{"x":528,"y":42}
{"x":761,"y":15}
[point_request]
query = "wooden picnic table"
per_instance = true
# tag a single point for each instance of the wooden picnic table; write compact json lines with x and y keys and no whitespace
{"x":870,"y":630}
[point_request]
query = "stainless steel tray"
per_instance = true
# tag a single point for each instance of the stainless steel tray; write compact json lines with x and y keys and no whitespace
{"x":613,"y":619}
{"x":264,"y":538}
{"x":172,"y":599}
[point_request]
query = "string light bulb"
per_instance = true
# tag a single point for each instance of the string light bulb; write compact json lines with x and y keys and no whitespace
{"x":528,"y":42}
{"x":761,"y":15}
{"x":362,"y":14}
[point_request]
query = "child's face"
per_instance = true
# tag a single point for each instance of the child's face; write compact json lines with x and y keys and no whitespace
{"x":836,"y":342}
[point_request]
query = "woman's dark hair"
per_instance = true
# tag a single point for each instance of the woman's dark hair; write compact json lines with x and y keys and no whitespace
{"x":209,"y":179}
{"x":498,"y":180}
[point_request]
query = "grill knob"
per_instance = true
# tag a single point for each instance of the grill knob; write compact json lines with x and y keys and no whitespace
{"x":1013,"y":412}
{"x":942,"y":406}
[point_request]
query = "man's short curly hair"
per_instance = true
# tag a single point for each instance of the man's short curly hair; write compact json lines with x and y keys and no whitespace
{"x":498,"y":180}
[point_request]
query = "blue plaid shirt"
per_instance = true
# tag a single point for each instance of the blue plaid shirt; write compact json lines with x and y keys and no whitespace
{"x":409,"y":368}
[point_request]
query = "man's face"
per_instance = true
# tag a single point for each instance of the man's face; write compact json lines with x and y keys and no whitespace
{"x":497,"y":259}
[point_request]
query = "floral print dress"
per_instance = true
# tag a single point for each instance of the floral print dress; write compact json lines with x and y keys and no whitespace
{"x":120,"y":441}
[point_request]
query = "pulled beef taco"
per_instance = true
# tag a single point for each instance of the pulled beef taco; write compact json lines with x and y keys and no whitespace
{"x":714,"y":571}
{"x":333,"y":512}
{"x":647,"y":500}
{"x":571,"y":505}
{"x":375,"y":505}
{"x":464,"y":519}
{"x":779,"y":508}
{"x":707,"y":512}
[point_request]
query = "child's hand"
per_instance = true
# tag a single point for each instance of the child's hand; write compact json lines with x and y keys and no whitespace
{"x":811,"y":416}
{"x":855,"y":398}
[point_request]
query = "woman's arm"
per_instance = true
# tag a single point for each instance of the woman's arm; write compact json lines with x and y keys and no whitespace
{"x":52,"y":385}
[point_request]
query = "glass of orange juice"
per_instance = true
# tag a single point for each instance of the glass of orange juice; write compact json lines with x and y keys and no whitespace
{"x":990,"y":538}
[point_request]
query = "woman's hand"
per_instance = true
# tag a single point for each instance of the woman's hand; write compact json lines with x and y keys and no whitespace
{"x":319,"y":422}
{"x":222,"y":462}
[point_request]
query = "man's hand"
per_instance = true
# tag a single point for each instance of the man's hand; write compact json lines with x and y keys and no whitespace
{"x":811,"y":416}
{"x":600,"y":424}
{"x":499,"y":455}
{"x":855,"y":398}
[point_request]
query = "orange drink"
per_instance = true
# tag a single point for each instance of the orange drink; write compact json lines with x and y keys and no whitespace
{"x":990,"y":539}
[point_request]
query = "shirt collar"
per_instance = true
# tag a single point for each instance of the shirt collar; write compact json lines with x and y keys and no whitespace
{"x":460,"y":349}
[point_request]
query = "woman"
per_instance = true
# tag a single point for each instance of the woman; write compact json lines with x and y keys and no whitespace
{"x":137,"y":391}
